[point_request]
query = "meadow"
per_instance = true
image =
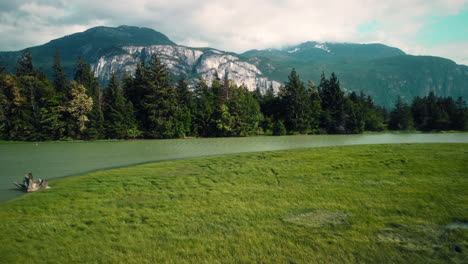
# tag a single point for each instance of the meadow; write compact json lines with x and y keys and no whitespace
{"x":391,"y":203}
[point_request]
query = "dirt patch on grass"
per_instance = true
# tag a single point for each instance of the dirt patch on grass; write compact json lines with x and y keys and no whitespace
{"x":454,"y":225}
{"x":317,"y":218}
{"x":430,"y":239}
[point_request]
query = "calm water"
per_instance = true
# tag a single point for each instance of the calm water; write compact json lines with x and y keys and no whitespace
{"x":52,"y":160}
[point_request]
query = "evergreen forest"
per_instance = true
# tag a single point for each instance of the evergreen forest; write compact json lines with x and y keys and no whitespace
{"x":150,"y":104}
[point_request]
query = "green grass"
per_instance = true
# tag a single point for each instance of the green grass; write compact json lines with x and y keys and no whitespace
{"x":354,"y":204}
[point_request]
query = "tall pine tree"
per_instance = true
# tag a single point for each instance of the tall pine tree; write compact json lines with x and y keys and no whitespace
{"x":333,"y":105}
{"x":160,"y":104}
{"x":60,"y":79}
{"x":118,"y":113}
{"x":296,"y":104}
{"x":185,"y":105}
{"x":400,"y":116}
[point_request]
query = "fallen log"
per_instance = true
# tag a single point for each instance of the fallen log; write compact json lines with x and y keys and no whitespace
{"x":29,"y":185}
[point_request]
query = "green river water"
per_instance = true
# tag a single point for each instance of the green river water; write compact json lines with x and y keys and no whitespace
{"x":52,"y":160}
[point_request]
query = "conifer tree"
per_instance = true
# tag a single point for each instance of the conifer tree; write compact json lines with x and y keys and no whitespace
{"x":315,"y":107}
{"x":296,"y":104}
{"x":16,"y":115}
{"x":25,"y":65}
{"x":333,"y":104}
{"x":2,"y":67}
{"x":185,"y":105}
{"x":354,"y":106}
{"x":461,"y":115}
{"x":279,"y":129}
{"x":118,"y":114}
{"x":160,"y":104}
{"x":270,"y":108}
{"x":400,"y":116}
{"x":244,"y":111}
{"x":205,"y":105}
{"x":137,"y":88}
{"x":60,"y":80}
{"x":5,"y":106}
{"x":224,"y":121}
{"x":223,"y":89}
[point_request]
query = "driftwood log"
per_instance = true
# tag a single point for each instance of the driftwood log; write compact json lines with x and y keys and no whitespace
{"x":29,"y":185}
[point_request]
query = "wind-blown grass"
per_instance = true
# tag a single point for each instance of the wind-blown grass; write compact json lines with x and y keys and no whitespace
{"x":353,"y":204}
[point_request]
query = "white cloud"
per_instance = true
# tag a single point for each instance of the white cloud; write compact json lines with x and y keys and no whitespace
{"x":232,"y":25}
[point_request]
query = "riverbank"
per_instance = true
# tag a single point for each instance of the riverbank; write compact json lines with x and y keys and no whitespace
{"x":353,"y":204}
{"x":61,"y":159}
{"x":397,"y":132}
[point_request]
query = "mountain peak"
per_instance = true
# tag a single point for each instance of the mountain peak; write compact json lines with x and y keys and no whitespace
{"x":123,"y":35}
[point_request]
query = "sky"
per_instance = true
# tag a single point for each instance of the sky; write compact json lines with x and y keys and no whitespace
{"x":419,"y":27}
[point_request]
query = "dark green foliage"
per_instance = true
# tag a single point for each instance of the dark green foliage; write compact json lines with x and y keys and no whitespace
{"x":84,"y":75}
{"x":296,"y":105}
{"x":222,"y":89}
{"x":279,"y":129}
{"x":244,"y":111}
{"x":155,"y":100}
{"x":460,"y":119}
{"x":205,"y":105}
{"x":355,"y":115}
{"x":60,"y":80}
{"x":315,"y":108}
{"x":270,"y":108}
{"x":135,"y":88}
{"x":118,"y":113}
{"x":363,"y":114}
{"x":25,"y":65}
{"x":438,"y":113}
{"x":29,"y":106}
{"x":333,"y":103}
{"x":185,"y":102}
{"x":160,"y":103}
{"x":400,"y":116}
{"x":150,"y":105}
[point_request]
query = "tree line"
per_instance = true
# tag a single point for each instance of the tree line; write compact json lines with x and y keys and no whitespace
{"x":430,"y":113}
{"x":149,"y":104}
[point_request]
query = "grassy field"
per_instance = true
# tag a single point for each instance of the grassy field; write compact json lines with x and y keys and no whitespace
{"x":405,"y":203}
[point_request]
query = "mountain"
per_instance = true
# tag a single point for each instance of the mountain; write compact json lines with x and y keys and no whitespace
{"x":190,"y":62}
{"x":90,"y":44}
{"x":381,"y":71}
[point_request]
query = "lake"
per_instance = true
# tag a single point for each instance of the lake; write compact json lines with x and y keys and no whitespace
{"x":50,"y":160}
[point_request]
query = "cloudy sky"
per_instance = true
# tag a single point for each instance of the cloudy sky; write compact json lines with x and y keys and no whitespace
{"x":420,"y":27}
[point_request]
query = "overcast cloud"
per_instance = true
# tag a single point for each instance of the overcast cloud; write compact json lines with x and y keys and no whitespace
{"x":243,"y":24}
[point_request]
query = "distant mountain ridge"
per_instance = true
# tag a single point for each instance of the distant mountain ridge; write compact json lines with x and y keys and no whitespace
{"x":90,"y":44}
{"x":381,"y":71}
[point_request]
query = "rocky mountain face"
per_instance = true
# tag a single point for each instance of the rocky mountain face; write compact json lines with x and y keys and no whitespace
{"x":381,"y":71}
{"x":190,"y":62}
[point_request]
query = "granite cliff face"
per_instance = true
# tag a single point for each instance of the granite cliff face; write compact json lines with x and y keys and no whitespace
{"x":191,"y":62}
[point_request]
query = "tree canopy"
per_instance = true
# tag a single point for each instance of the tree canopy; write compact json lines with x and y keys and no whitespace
{"x":150,"y":104}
